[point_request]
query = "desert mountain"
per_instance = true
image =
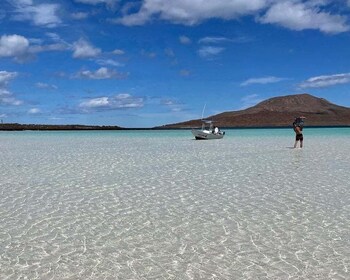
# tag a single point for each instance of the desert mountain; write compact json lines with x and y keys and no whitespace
{"x":279,"y":112}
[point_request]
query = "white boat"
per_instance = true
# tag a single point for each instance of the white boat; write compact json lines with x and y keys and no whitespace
{"x":208,"y":131}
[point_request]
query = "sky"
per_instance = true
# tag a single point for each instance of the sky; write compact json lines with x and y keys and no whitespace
{"x":153,"y":62}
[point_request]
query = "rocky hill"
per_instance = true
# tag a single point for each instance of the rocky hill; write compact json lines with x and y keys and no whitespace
{"x":280,"y":112}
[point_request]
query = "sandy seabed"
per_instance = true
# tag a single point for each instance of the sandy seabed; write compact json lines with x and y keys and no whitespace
{"x":159,"y":205}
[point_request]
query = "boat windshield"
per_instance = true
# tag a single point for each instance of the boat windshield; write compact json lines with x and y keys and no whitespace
{"x":207,"y":125}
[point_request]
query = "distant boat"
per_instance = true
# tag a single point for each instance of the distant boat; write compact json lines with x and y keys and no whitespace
{"x":208,"y":131}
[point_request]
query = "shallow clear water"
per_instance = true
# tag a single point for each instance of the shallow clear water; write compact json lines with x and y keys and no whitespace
{"x":159,"y":205}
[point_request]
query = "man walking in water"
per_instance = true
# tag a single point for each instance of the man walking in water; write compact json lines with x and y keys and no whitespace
{"x":298,"y":128}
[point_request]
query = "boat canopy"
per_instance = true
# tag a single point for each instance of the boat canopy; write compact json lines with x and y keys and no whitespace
{"x":207,"y":121}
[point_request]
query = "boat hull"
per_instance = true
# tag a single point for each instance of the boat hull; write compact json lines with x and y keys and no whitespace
{"x":206,"y":135}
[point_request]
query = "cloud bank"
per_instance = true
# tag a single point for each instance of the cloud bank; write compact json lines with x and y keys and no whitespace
{"x":13,"y":46}
{"x":120,"y":101}
{"x":83,"y":49}
{"x":291,"y":14}
{"x":6,"y":97}
{"x":263,"y":80}
{"x":100,"y":74}
{"x":209,"y":51}
{"x":326,"y":81}
{"x":300,"y":16}
{"x":44,"y":14}
{"x":21,"y":49}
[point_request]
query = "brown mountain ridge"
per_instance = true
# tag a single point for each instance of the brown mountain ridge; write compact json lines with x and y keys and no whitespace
{"x":280,"y":112}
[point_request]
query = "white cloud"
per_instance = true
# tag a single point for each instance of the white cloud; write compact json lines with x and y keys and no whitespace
{"x":96,"y":2}
{"x":218,"y":40}
{"x":111,"y":62}
{"x":25,"y":2}
{"x":6,"y":97}
{"x":6,"y":77}
{"x":299,"y":16}
{"x":45,"y":86}
{"x":50,"y":47}
{"x":148,"y":54}
{"x":118,"y":52}
{"x":250,"y":100}
{"x":96,"y":102}
{"x":263,"y":80}
{"x":173,"y":104}
{"x":58,"y":44}
{"x":56,"y":118}
{"x":41,"y":15}
{"x":45,"y":14}
{"x":209,"y":51}
{"x":168,"y":102}
{"x":139,"y":18}
{"x":83,"y":49}
{"x":213,"y":40}
{"x":100,"y":74}
{"x":326,"y":81}
{"x":79,"y":15}
{"x":13,"y":46}
{"x":190,"y":12}
{"x":20,"y":48}
{"x":120,"y":101}
{"x":34,"y":111}
{"x":185,"y":40}
{"x":54,"y":36}
{"x":91,"y":2}
{"x":292,"y":14}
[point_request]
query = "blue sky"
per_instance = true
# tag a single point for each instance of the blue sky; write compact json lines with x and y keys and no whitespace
{"x":153,"y":62}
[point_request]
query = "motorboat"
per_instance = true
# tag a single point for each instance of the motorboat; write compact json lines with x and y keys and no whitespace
{"x":208,"y":131}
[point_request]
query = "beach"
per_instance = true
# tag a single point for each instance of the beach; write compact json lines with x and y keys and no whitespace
{"x":160,"y":205}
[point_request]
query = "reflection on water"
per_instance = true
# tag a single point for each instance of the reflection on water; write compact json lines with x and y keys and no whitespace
{"x":111,"y":206}
{"x":297,"y":158}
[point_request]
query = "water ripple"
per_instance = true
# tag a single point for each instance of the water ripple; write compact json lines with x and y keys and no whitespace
{"x":109,"y":207}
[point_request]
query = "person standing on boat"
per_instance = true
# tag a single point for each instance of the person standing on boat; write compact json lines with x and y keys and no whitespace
{"x":216,"y":130}
{"x":298,"y":125}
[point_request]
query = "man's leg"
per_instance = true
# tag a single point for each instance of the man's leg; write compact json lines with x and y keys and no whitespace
{"x":295,"y":144}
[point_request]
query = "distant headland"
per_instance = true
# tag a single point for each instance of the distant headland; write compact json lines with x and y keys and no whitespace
{"x":279,"y":112}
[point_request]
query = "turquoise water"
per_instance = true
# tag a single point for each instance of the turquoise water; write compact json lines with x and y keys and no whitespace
{"x":342,"y":131}
{"x":160,"y":205}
